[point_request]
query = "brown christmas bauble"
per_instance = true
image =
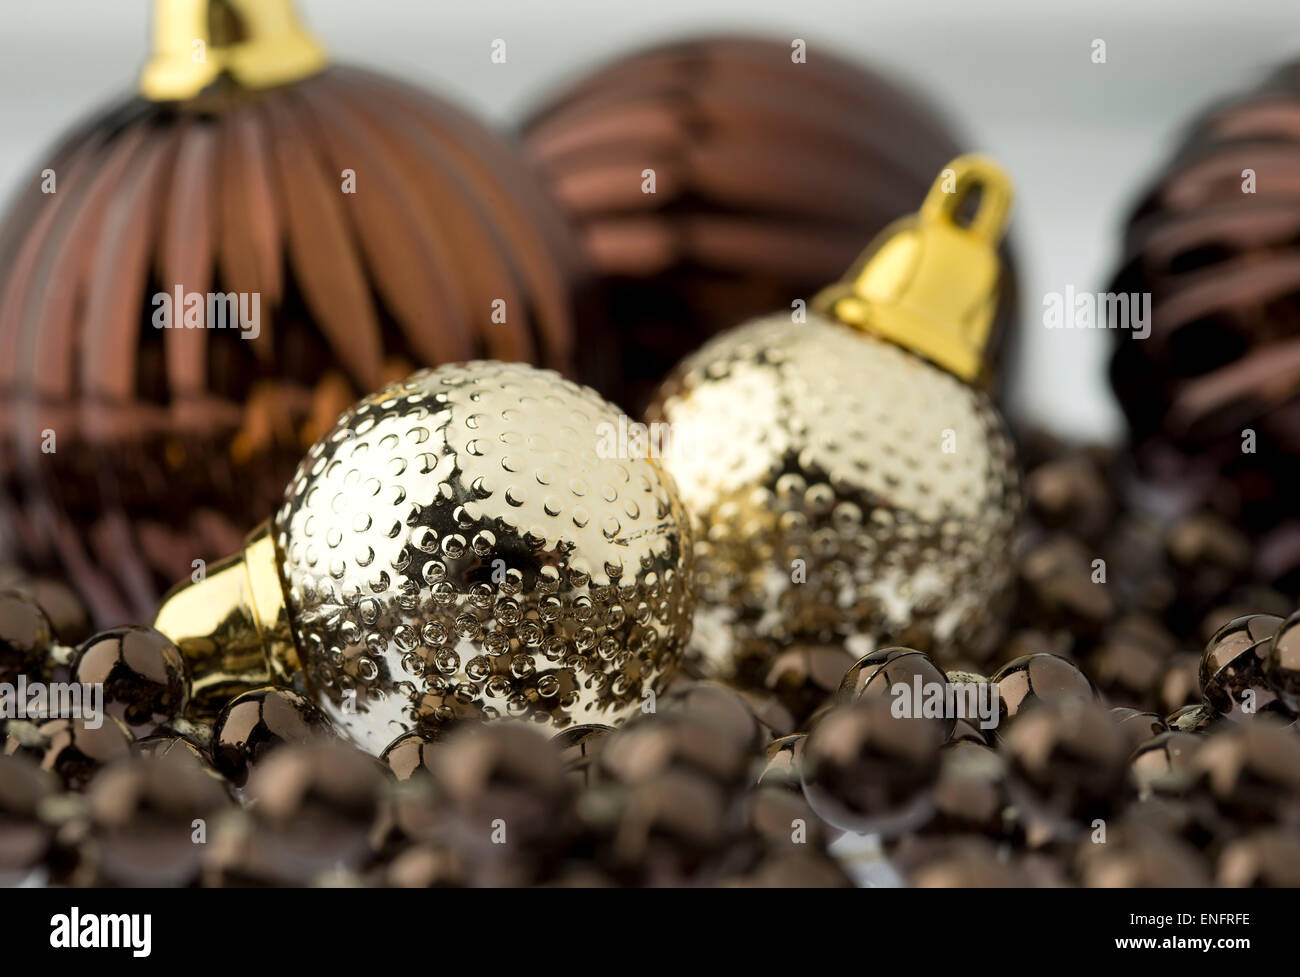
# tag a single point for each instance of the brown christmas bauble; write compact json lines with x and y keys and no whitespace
{"x":1212,"y":395}
{"x":343,"y":227}
{"x":718,"y":178}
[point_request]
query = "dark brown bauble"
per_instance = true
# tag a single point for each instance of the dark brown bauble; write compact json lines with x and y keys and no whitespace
{"x":150,"y":818}
{"x":1033,"y":680}
{"x":1282,"y":663}
{"x":865,"y":770}
{"x":1212,"y":395}
{"x":805,"y":676}
{"x":363,"y":227}
{"x":24,"y":837}
{"x":1164,"y":763}
{"x":68,"y":615}
{"x":1067,"y":761}
{"x":142,"y":673}
{"x":73,"y":749}
{"x":25,"y":637}
{"x":1138,"y":727}
{"x":768,"y":176}
{"x":1232,"y":669}
{"x":970,"y":796}
{"x":256,"y":723}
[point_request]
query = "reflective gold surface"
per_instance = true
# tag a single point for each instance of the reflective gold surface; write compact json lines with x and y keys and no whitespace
{"x":459,"y":547}
{"x":929,"y":282}
{"x":259,"y":43}
{"x":843,"y":486}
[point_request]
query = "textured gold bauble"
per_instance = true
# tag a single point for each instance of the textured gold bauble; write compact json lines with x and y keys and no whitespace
{"x":842,"y":487}
{"x":455,"y":547}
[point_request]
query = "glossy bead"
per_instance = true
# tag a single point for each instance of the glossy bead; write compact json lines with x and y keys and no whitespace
{"x":1232,"y":673}
{"x":1252,"y":771}
{"x":970,"y":795}
{"x":1138,"y":727}
{"x":875,"y":676}
{"x":24,"y":837}
{"x":1199,"y":718}
{"x":411,"y":754}
{"x":805,"y":676}
{"x":1135,"y":856}
{"x":257,"y":722}
{"x":143,"y":675}
{"x":864,"y":770}
{"x":1164,"y":762}
{"x":720,"y":707}
{"x":73,"y":750}
{"x":25,"y":637}
{"x":1033,"y":680}
{"x":579,"y":748}
{"x":782,"y":763}
{"x":1267,"y":858}
{"x":151,"y":816}
{"x":1282,"y":663}
{"x":1067,"y":760}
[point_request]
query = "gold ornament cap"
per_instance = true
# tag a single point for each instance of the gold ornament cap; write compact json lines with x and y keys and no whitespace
{"x":258,"y":43}
{"x":929,"y":281}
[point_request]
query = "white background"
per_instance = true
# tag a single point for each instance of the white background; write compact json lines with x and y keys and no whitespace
{"x":1080,"y":138}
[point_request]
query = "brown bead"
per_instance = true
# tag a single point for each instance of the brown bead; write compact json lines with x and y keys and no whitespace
{"x":782,"y":763}
{"x":1136,"y":856}
{"x":1164,"y":762}
{"x":970,"y":795}
{"x":1232,"y":669}
{"x":864,"y":770}
{"x":143,"y":674}
{"x":720,"y":707}
{"x":1070,"y":493}
{"x":1282,"y":663}
{"x":1058,"y":579}
{"x":875,"y":676}
{"x":579,"y":748}
{"x":1067,"y":760}
{"x":1138,"y":727}
{"x":1252,"y":770}
{"x":1126,"y":671}
{"x":72,"y":749}
{"x":645,"y":749}
{"x":24,"y":837}
{"x":257,"y":722}
{"x":805,"y":676}
{"x":782,"y":819}
{"x":1198,"y":718}
{"x":792,"y":870}
{"x":25,"y":638}
{"x":427,"y":866}
{"x":1267,"y":858}
{"x":151,"y":817}
{"x":315,"y":806}
{"x":1034,"y":680}
{"x":965,"y":863}
{"x":1181,"y":684}
{"x":411,"y":754}
{"x":665,"y":830}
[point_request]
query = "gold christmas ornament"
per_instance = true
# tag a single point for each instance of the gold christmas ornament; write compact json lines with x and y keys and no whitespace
{"x":459,"y":546}
{"x":846,"y":480}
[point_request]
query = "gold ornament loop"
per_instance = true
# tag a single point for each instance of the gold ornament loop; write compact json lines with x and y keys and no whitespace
{"x":929,"y":282}
{"x":258,"y":43}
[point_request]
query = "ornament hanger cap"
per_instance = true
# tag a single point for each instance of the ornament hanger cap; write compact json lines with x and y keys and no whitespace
{"x":258,"y":43}
{"x":929,"y":282}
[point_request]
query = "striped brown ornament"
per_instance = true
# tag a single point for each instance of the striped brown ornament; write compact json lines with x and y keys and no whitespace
{"x":169,"y":443}
{"x":770,"y":176}
{"x":1212,"y":396}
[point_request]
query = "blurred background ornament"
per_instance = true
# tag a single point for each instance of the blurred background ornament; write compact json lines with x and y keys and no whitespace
{"x":1212,"y":396}
{"x":716,"y":179}
{"x":460,"y":546}
{"x":846,"y":479}
{"x":360,"y":227}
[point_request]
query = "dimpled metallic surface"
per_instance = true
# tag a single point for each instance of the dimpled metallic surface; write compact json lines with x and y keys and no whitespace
{"x":458,"y":547}
{"x":813,"y":459}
